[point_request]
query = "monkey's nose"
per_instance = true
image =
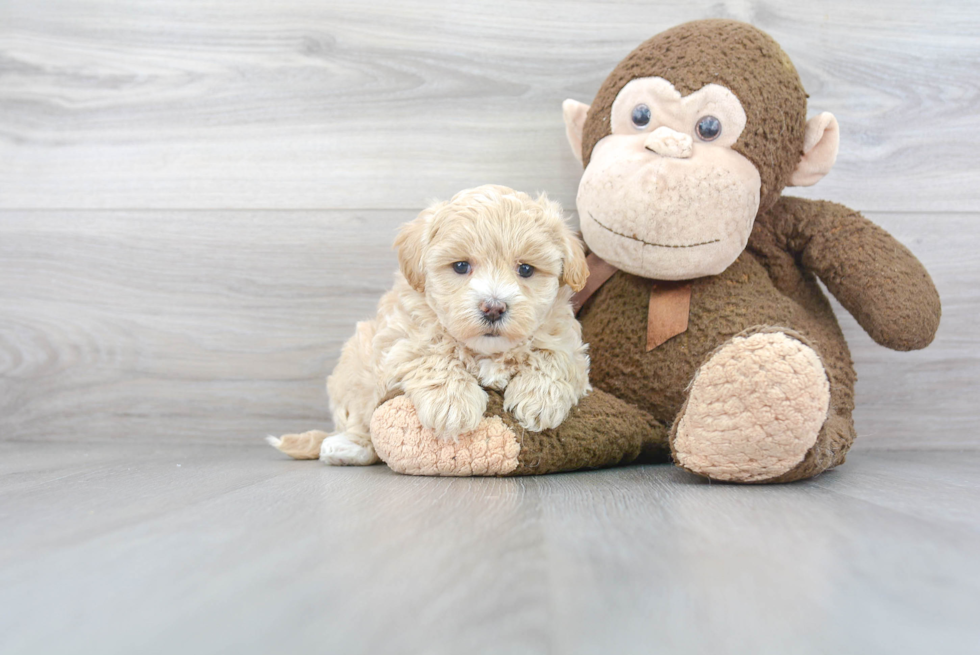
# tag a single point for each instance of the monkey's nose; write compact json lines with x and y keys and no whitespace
{"x":493,"y":309}
{"x":669,"y":143}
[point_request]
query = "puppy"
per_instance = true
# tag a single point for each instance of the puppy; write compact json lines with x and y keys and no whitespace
{"x":481,"y":300}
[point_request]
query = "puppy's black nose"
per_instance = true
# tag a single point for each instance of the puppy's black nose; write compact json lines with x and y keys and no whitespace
{"x":493,"y":310}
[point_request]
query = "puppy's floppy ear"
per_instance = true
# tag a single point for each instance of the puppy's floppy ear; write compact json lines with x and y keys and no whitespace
{"x":410,"y":244}
{"x":574,"y":267}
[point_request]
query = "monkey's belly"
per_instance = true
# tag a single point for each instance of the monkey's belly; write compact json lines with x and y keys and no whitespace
{"x":614,"y":325}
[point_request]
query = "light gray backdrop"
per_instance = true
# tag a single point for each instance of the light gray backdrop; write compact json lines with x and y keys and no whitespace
{"x":197,"y":198}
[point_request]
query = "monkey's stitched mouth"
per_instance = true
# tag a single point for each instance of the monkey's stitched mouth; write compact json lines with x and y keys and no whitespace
{"x":657,"y":245}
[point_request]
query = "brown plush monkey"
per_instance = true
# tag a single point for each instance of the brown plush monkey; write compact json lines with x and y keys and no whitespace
{"x":710,"y":337}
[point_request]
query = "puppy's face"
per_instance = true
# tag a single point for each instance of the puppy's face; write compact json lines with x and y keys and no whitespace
{"x":491,"y":263}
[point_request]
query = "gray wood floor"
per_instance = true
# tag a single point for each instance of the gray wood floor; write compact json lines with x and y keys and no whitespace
{"x":196,"y":204}
{"x":124,"y":548}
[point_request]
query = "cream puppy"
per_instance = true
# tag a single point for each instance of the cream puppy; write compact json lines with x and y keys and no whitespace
{"x":481,"y":300}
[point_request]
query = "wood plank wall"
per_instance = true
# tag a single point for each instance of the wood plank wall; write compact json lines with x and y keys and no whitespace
{"x":197,"y":198}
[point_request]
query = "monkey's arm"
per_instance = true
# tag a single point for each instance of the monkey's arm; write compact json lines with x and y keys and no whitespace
{"x":877,"y":279}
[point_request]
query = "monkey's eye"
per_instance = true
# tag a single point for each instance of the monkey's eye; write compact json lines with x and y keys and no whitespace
{"x":461,"y":267}
{"x":640,"y":116}
{"x":708,"y":128}
{"x":525,"y":270}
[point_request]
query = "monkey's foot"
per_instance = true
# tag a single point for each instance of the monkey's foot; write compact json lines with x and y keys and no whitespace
{"x":406,"y":447}
{"x":754,"y":410}
{"x":600,"y":431}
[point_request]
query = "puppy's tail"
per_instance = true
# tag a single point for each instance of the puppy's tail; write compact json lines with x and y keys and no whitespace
{"x":299,"y":446}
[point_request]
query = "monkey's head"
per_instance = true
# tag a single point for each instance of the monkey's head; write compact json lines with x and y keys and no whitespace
{"x":693,"y":134}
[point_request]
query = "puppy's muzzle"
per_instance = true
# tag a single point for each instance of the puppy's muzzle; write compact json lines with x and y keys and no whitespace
{"x":493,"y":310}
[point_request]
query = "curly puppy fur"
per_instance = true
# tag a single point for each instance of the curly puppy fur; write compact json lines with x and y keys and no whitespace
{"x":464,"y":314}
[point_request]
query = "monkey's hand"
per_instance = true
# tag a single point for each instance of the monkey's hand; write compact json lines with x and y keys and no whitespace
{"x":877,"y":279}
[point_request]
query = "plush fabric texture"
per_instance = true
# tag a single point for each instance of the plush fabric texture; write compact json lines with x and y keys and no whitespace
{"x":820,"y":145}
{"x":602,"y":431}
{"x":719,"y":51}
{"x":406,"y":447}
{"x":772,"y":284}
{"x":743,"y":297}
{"x":754,"y":409}
{"x":704,"y":392}
{"x":877,"y":279}
{"x":651,"y":225}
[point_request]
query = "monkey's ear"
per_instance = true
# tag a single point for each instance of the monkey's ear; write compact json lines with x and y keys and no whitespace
{"x":410,"y":244}
{"x":574,"y":267}
{"x":574,"y":112}
{"x":820,"y":144}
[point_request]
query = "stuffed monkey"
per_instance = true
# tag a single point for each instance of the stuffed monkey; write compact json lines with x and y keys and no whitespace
{"x":711,"y":341}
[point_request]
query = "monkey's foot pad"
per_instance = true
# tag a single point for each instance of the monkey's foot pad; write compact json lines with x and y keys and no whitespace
{"x":406,"y":447}
{"x":754,"y":409}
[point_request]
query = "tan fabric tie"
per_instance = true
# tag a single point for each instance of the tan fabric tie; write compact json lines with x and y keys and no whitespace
{"x":599,"y":273}
{"x":667,"y":313}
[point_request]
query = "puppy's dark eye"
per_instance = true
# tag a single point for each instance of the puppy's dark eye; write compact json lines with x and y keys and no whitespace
{"x":525,"y":270}
{"x":640,"y":116}
{"x":461,"y":267}
{"x":709,"y":128}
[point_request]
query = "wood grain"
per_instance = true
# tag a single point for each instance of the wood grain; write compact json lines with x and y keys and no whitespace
{"x":212,"y":326}
{"x":161,"y":324}
{"x":120,"y":548}
{"x":200,"y":196}
{"x":302,"y":104}
{"x":196,"y":205}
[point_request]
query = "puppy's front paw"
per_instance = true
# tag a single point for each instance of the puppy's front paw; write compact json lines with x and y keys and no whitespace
{"x":537,"y":402}
{"x":452,"y":409}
